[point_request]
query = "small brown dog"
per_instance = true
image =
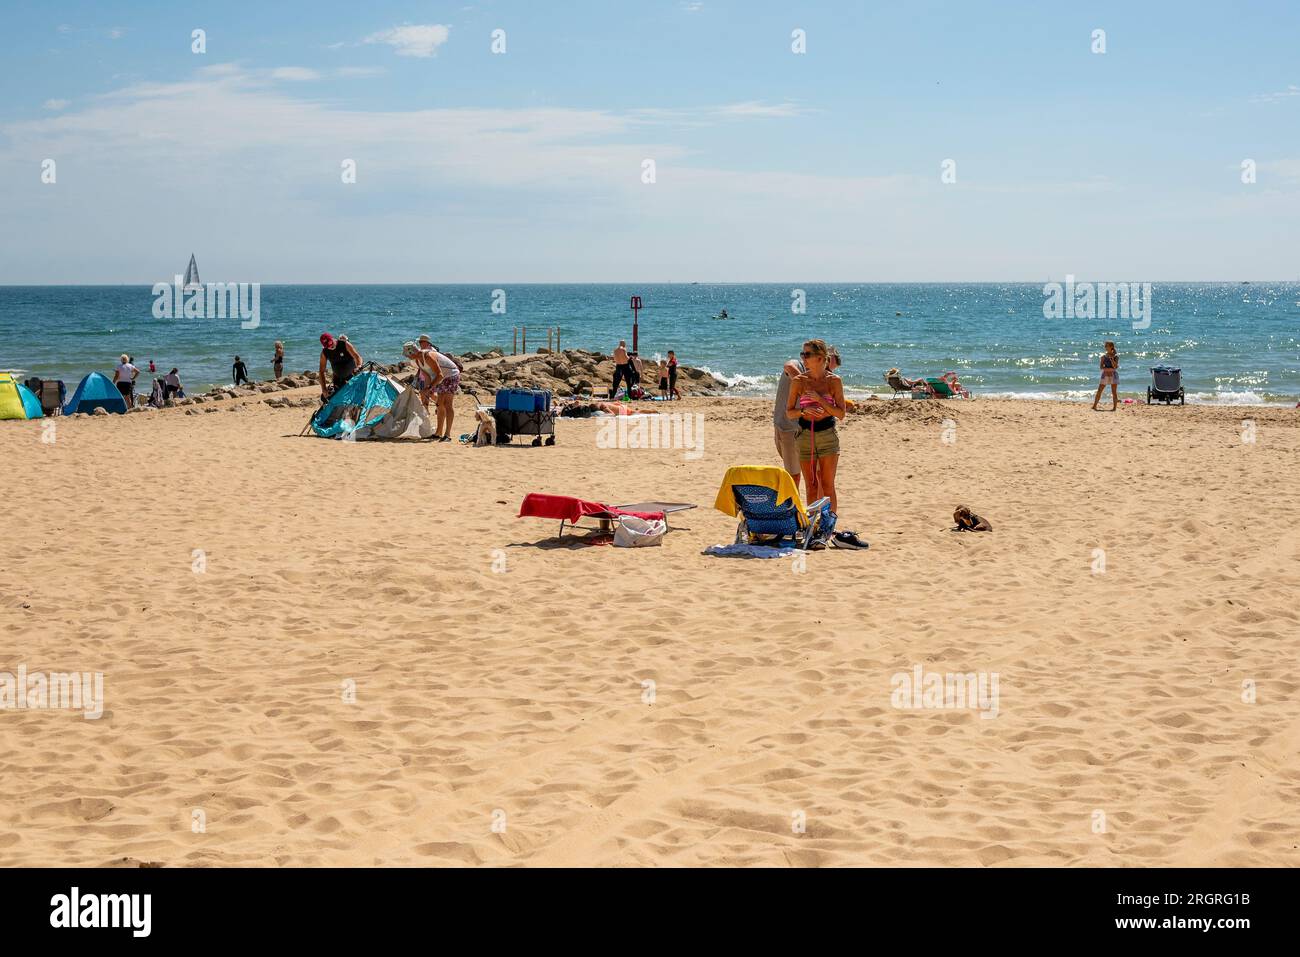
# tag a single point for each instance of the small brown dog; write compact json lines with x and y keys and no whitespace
{"x":968,"y":521}
{"x":487,"y":428}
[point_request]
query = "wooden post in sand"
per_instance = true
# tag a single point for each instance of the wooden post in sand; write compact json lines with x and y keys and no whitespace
{"x":557,"y":338}
{"x":514,"y":343}
{"x":524,"y":337}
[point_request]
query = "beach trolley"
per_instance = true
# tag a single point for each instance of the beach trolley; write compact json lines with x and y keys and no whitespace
{"x":1166,"y":385}
{"x":521,"y":412}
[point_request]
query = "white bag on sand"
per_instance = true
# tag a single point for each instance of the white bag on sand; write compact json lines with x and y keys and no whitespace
{"x":635,"y":532}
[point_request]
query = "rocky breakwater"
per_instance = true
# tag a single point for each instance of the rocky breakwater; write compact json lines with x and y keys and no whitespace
{"x":572,"y":372}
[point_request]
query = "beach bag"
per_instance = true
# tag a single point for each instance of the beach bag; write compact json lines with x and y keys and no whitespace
{"x":633,"y":532}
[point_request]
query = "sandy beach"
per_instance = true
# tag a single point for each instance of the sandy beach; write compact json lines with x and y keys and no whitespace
{"x":234,"y":583}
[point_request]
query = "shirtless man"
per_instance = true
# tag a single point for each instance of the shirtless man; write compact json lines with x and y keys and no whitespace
{"x":622,"y":368}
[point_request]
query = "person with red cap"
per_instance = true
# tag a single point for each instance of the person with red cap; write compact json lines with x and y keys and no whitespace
{"x":343,"y":359}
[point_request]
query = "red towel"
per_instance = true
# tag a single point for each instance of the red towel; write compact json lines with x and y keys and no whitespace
{"x":569,"y":509}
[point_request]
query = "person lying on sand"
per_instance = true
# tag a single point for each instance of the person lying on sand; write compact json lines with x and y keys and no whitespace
{"x":968,"y":521}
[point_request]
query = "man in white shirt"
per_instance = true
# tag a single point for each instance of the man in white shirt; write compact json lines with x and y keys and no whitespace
{"x":124,"y":376}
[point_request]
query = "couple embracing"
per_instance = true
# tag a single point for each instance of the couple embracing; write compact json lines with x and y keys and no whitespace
{"x":809,"y":404}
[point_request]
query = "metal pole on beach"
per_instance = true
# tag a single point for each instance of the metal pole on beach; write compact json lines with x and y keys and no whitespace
{"x":636,"y":307}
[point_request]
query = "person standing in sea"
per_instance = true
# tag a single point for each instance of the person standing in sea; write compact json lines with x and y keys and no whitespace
{"x":277,"y":362}
{"x":240,"y":371}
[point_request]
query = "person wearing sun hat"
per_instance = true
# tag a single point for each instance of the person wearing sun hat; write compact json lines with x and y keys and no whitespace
{"x":445,"y":385}
{"x":343,"y":359}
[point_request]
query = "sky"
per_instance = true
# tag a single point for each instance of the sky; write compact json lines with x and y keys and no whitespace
{"x":530,"y":164}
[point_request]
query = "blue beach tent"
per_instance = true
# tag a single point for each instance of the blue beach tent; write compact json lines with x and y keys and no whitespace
{"x":31,"y":404}
{"x":362,"y":402}
{"x":95,"y":391}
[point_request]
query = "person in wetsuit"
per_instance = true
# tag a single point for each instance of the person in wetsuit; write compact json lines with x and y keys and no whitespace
{"x":343,"y":359}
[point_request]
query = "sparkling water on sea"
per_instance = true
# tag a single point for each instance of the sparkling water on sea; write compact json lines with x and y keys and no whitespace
{"x":1235,"y":343}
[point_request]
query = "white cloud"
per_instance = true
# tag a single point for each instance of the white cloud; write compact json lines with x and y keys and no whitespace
{"x":753,"y":108}
{"x":55,"y":104}
{"x":360,"y":71}
{"x":295,"y":73}
{"x":692,"y":6}
{"x":528,"y":193}
{"x":702,"y":116}
{"x":116,"y":33}
{"x":1291,"y":90}
{"x":420,"y":40}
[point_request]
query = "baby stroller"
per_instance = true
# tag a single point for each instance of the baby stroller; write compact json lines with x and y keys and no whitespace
{"x":1166,"y":385}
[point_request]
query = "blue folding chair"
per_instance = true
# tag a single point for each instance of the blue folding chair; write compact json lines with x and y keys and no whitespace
{"x":768,"y":519}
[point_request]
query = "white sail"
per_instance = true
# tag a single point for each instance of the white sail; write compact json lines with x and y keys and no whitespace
{"x":192,"y":273}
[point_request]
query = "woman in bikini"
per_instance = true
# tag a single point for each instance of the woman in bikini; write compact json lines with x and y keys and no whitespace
{"x":1109,"y":374}
{"x":817,"y":401}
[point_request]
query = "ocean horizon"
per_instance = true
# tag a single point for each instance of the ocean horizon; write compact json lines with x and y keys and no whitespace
{"x":1237,"y":343}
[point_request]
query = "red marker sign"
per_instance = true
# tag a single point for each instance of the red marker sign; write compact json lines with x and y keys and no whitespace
{"x":636,"y":307}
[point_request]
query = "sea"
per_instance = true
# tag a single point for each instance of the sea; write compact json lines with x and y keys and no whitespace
{"x":1236,"y":343}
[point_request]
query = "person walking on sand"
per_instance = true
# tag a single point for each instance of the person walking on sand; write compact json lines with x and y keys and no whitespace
{"x":445,"y":387}
{"x":817,"y":400}
{"x":124,"y":377}
{"x":1109,"y":374}
{"x":343,"y":359}
{"x":672,"y":376}
{"x":277,"y":361}
{"x":240,"y":371}
{"x":622,"y":368}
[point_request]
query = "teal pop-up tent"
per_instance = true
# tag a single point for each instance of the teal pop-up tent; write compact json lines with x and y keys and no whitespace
{"x":362,"y":402}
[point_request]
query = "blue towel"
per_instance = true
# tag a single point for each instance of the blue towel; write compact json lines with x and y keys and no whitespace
{"x":748,"y":551}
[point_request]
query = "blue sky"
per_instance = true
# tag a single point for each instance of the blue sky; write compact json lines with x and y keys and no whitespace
{"x":527,"y":166}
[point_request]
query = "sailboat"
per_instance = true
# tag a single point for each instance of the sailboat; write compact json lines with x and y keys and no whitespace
{"x":192,"y":280}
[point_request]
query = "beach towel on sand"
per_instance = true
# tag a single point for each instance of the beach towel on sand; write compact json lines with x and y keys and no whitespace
{"x":740,"y":550}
